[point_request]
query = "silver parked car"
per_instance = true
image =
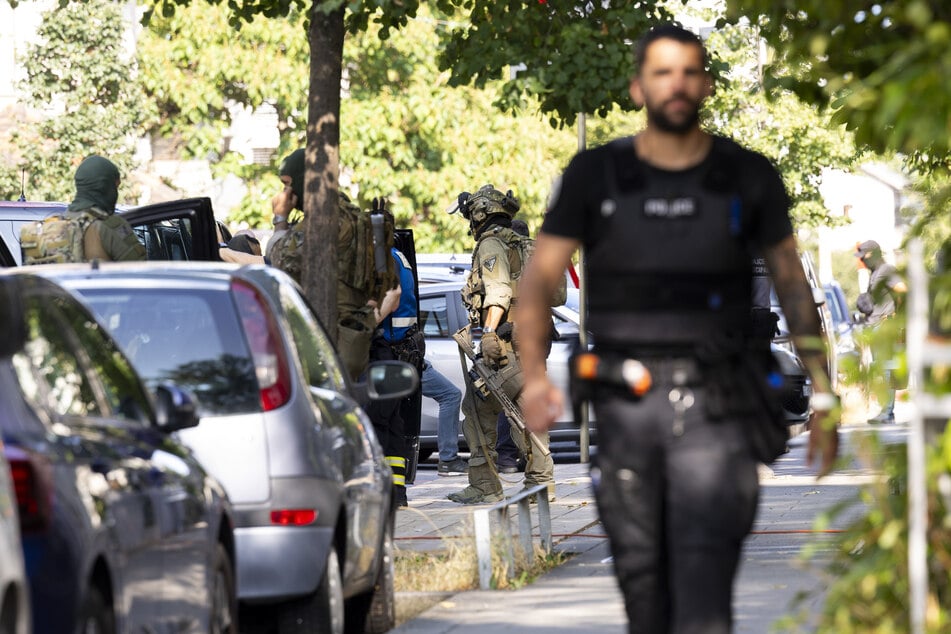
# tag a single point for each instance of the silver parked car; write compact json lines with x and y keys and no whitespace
{"x":281,"y":428}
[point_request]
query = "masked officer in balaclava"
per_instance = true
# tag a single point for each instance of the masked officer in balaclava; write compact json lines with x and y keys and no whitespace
{"x":109,"y":236}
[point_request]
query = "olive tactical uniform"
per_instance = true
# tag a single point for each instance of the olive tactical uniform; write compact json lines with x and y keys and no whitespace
{"x":90,"y":229}
{"x":496,"y":267}
{"x":877,"y":304}
{"x":355,"y":322}
{"x":669,"y":259}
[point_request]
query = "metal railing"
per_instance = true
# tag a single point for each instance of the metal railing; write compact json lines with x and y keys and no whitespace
{"x":482,"y":520}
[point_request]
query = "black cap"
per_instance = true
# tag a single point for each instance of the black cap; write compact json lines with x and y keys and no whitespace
{"x":867,"y":247}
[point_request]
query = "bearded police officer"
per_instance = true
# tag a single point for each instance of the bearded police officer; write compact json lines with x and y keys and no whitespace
{"x":490,"y":295}
{"x":671,"y":220}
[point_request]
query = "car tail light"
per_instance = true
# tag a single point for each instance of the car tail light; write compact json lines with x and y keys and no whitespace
{"x":267,"y":351}
{"x":293,"y":517}
{"x":31,"y":483}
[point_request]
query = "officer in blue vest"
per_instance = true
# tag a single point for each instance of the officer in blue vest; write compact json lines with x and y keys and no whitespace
{"x":397,"y":337}
{"x":671,"y":220}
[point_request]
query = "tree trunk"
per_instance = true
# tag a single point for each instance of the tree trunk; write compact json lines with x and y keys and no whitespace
{"x":321,"y":177}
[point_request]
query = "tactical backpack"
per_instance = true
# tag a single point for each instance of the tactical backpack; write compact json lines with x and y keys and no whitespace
{"x":520,"y":254}
{"x":358,"y":278}
{"x":56,"y":239}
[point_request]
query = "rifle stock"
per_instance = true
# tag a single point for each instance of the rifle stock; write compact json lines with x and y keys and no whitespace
{"x":494,"y":385}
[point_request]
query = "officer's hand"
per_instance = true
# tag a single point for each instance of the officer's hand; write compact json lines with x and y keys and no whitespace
{"x":491,"y":348}
{"x":823,"y":439}
{"x":283,"y":202}
{"x":541,"y":404}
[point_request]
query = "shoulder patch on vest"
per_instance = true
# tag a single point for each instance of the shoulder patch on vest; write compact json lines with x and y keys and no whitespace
{"x":490,"y":263}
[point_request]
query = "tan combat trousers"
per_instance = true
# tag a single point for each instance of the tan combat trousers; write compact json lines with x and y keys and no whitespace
{"x":479,"y":428}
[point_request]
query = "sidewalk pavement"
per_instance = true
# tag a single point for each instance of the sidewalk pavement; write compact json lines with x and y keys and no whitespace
{"x":581,"y":595}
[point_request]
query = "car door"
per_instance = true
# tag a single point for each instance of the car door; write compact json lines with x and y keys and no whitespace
{"x":411,"y":406}
{"x":6,"y":258}
{"x":177,"y":542}
{"x":441,"y":315}
{"x":177,"y":230}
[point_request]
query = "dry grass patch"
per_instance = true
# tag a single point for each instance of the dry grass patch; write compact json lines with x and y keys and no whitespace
{"x":456,"y":569}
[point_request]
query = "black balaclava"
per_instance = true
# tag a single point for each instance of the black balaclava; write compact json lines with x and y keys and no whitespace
{"x":495,"y":220}
{"x":293,"y":166}
{"x":96,"y":179}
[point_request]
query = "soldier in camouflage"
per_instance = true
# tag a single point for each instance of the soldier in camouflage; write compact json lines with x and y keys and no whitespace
{"x":285,"y":250}
{"x":490,"y":295}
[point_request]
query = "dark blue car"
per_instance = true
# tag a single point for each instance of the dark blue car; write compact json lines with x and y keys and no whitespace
{"x":122,"y":529}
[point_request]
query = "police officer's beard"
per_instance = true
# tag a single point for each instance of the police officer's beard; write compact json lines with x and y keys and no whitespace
{"x":658,"y":118}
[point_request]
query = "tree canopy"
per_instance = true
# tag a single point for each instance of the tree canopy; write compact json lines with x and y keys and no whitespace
{"x":882,"y":67}
{"x":92,"y":104}
{"x":801,"y":139}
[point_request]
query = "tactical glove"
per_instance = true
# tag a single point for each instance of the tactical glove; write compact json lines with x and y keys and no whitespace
{"x":491,"y":348}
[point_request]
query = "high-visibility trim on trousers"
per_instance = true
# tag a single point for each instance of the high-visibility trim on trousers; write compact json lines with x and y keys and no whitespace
{"x":398,"y":466}
{"x":398,"y":462}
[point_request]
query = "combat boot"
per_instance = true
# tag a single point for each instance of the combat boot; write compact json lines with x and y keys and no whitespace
{"x":473,"y":495}
{"x":484,"y":485}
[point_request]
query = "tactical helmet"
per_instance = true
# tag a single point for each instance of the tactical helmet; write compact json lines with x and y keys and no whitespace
{"x":477,"y":208}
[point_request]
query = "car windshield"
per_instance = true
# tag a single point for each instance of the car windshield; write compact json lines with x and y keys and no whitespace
{"x":189,"y":336}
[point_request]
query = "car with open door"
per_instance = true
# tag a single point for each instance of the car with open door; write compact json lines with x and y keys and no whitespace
{"x":177,"y":230}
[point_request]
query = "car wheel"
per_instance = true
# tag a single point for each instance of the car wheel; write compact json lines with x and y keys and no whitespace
{"x":374,"y":612}
{"x":95,"y":617}
{"x":224,"y":604}
{"x":321,"y":611}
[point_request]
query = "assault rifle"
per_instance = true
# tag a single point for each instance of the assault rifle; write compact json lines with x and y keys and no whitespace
{"x":489,"y":381}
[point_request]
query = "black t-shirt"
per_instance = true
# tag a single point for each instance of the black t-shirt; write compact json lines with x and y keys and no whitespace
{"x":577,"y":197}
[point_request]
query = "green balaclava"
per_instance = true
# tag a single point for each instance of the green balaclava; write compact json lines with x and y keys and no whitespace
{"x":96,"y":185}
{"x":293,"y":166}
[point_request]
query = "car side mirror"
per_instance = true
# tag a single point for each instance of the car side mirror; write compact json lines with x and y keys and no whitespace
{"x":12,"y":324}
{"x":174,"y":408}
{"x":391,"y":379}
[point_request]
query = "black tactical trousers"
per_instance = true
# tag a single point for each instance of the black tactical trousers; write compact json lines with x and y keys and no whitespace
{"x":676,"y":505}
{"x":387,"y":419}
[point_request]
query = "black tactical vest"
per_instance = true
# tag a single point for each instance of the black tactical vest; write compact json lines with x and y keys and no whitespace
{"x":668,"y":262}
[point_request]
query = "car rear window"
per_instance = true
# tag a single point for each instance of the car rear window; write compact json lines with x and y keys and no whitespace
{"x":189,"y":336}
